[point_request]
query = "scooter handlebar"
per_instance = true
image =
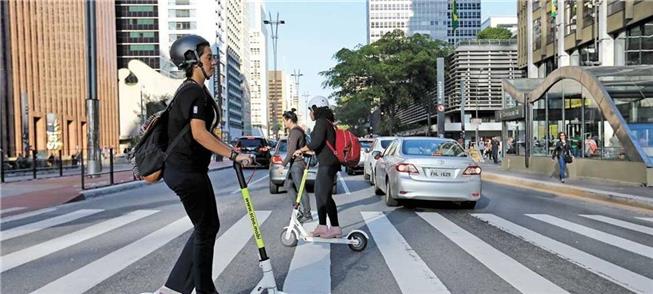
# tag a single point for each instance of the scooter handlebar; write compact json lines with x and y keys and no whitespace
{"x":238,"y":166}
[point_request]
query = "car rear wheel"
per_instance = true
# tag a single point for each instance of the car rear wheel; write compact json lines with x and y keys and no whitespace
{"x":468,"y":204}
{"x":389,"y":201}
{"x":274,"y":189}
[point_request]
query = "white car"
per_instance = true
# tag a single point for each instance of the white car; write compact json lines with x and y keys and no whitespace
{"x":378,"y":146}
{"x":427,"y":168}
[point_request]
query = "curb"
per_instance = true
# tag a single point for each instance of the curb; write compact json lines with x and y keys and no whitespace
{"x":92,"y":193}
{"x":569,"y":190}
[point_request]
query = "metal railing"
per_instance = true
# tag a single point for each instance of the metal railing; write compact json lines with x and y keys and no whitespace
{"x":113,"y":170}
{"x":36,"y":164}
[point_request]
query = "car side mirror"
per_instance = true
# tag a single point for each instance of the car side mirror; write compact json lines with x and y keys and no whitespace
{"x":377,"y":155}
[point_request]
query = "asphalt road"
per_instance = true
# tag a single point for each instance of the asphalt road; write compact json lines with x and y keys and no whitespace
{"x":514,"y":241}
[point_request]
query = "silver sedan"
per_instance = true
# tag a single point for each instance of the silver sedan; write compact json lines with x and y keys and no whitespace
{"x":427,"y":168}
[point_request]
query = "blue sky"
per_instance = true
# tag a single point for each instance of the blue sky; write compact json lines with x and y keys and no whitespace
{"x":316,"y":30}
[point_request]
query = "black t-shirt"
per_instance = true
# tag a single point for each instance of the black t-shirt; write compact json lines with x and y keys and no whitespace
{"x":323,"y":132}
{"x":192,"y":102}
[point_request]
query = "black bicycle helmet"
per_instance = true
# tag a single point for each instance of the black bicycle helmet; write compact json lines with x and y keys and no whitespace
{"x":183,"y":51}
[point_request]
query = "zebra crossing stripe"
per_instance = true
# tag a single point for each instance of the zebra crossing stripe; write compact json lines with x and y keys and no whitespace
{"x":86,"y":277}
{"x":26,"y":255}
{"x":513,"y":272}
{"x":621,"y":276}
{"x":11,"y":209}
{"x":47,"y":223}
{"x":648,"y":219}
{"x":613,"y":240}
{"x":26,"y":215}
{"x":310,"y":260}
{"x":620,"y":223}
{"x":409,"y":270}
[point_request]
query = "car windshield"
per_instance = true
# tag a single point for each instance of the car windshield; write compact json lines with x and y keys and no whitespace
{"x":432,"y":148}
{"x":282,"y":146}
{"x":248,"y":143}
{"x":385,"y":143}
{"x":366,"y":144}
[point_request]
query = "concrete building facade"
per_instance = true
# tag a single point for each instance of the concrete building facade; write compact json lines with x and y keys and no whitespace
{"x":506,"y":22}
{"x":276,"y":98}
{"x":137,"y":29}
{"x":44,"y":105}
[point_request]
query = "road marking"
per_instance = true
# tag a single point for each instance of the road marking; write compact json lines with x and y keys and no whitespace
{"x":613,"y":240}
{"x":87,"y":277}
{"x":648,"y":219}
{"x":409,"y":270}
{"x":229,"y":244}
{"x":251,"y":184}
{"x":21,"y":257}
{"x":344,"y":184}
{"x":513,"y":272}
{"x":621,"y":276}
{"x":11,"y":209}
{"x":47,"y":223}
{"x":620,"y":223}
{"x":310,"y":260}
{"x":26,"y":215}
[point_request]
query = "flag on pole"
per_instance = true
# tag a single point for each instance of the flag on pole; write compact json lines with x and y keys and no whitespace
{"x":454,"y":16}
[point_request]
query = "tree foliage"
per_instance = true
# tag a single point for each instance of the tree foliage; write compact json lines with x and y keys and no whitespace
{"x":393,"y":72}
{"x":495,"y":34}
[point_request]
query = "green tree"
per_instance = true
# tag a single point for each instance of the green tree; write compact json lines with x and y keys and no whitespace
{"x":388,"y":74}
{"x":495,"y":34}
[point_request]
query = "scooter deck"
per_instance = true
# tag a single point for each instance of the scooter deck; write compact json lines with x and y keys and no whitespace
{"x":330,"y":240}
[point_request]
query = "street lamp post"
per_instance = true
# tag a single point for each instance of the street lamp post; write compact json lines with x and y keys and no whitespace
{"x":274,"y":28}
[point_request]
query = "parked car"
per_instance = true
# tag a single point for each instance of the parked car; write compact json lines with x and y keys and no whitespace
{"x":427,"y":168}
{"x":366,"y":144}
{"x":278,"y":172}
{"x":378,"y":146}
{"x":258,"y":146}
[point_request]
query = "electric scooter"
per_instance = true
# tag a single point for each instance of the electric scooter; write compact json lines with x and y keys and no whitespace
{"x":356,"y":239}
{"x":268,"y":283}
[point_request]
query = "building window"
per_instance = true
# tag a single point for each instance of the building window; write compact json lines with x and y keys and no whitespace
{"x":141,"y":8}
{"x":639,"y":44}
{"x":537,"y":33}
{"x":589,"y":55}
{"x":570,"y":17}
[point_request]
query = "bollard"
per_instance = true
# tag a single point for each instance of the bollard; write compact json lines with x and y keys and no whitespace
{"x":81,"y":161}
{"x":34,"y":163}
{"x":111,"y":166}
{"x":60,"y":165}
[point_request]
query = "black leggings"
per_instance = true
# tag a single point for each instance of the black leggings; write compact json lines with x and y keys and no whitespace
{"x":195,"y":264}
{"x":326,"y":175}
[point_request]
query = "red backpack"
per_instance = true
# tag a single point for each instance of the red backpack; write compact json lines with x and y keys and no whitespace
{"x":348,"y":148}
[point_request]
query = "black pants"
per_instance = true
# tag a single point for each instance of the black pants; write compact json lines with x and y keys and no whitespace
{"x":326,"y":175}
{"x":195,"y":264}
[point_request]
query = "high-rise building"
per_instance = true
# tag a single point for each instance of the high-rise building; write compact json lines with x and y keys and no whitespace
{"x":276,"y":98}
{"x":236,"y":100}
{"x":429,"y":17}
{"x":505,"y":22}
{"x":584,"y":32}
{"x":45,"y":105}
{"x":137,"y":29}
{"x":257,"y":73}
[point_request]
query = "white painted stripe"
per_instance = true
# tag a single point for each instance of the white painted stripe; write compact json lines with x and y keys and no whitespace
{"x":621,"y":276}
{"x":513,"y":272}
{"x":21,"y":257}
{"x":11,"y":209}
{"x":47,"y":223}
{"x":344,"y":184}
{"x":620,"y":223}
{"x":409,"y":270}
{"x":251,"y":184}
{"x":613,"y":240}
{"x":88,"y":276}
{"x":310,"y":260}
{"x":648,"y":219}
{"x":26,"y":215}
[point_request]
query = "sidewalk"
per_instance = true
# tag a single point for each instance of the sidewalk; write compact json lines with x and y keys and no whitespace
{"x":641,"y":197}
{"x":24,"y":196}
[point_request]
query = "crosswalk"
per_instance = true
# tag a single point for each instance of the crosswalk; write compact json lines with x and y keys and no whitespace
{"x":411,"y":272}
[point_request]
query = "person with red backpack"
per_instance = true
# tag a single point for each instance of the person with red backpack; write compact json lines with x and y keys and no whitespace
{"x":323,"y":138}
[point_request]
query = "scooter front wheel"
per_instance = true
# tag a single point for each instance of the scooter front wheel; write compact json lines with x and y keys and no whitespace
{"x":288,"y":240}
{"x":360,"y":241}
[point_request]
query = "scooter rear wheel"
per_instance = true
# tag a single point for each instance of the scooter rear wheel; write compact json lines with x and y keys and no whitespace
{"x":291,"y":241}
{"x":362,"y":241}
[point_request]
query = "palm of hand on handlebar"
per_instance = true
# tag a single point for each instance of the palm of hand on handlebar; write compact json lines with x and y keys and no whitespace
{"x":245,"y":159}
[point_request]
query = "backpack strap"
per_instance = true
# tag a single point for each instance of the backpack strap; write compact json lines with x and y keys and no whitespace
{"x":333,"y":149}
{"x":186,"y":84}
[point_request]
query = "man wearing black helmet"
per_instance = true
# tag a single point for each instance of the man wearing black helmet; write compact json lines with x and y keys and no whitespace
{"x":194,"y":114}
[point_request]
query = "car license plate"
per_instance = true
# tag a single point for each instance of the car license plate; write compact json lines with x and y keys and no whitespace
{"x":440,"y":173}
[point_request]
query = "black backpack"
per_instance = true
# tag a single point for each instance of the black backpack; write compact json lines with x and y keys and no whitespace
{"x":149,"y":155}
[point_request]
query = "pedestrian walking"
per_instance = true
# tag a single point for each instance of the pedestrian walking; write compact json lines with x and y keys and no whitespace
{"x":193,"y":115}
{"x":495,"y":150}
{"x":562,"y":155}
{"x":324,"y":133}
{"x":296,"y":140}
